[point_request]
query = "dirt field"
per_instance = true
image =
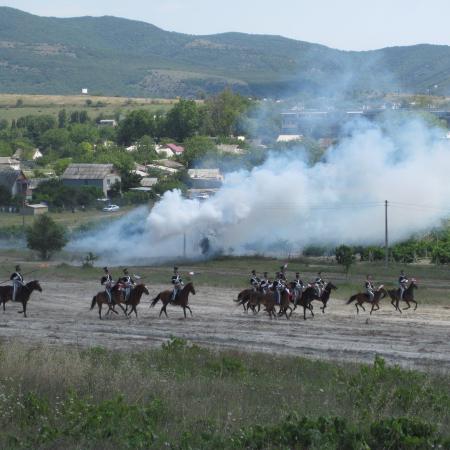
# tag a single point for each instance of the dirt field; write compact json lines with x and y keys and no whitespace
{"x":61,"y":315}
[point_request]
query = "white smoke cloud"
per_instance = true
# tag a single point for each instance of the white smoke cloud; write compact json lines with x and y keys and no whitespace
{"x":286,"y":201}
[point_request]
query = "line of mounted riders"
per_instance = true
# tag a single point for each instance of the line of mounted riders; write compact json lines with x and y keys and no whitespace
{"x":288,"y":295}
{"x":126,"y":291}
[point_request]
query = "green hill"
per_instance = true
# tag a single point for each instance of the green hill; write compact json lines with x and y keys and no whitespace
{"x":116,"y":56}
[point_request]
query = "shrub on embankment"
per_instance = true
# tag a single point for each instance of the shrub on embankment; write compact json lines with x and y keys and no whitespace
{"x":187,"y":397}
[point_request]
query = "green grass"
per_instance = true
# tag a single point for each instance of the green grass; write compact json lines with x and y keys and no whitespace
{"x":68,"y":219}
{"x":186,"y":397}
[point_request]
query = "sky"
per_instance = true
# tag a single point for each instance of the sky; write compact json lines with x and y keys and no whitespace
{"x":343,"y":24}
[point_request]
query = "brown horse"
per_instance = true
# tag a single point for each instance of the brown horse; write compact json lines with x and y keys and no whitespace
{"x":361,"y":298}
{"x":102,"y":298}
{"x":244,"y":298}
{"x":408,"y":296}
{"x":135,"y":298}
{"x":268,"y":301}
{"x":302,"y":301}
{"x":310,"y":294}
{"x":181,"y":299}
{"x":23,"y":295}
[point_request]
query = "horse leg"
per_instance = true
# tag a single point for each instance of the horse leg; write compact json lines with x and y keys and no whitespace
{"x":122,"y":308}
{"x":362,"y":306}
{"x":415,"y":303}
{"x":357,"y":309}
{"x":371,"y":309}
{"x":4,"y":309}
{"x":184,"y":310}
{"x":100,"y":310}
{"x":134,"y":309}
{"x":189,"y":309}
{"x":409,"y":305}
{"x":24,"y":304}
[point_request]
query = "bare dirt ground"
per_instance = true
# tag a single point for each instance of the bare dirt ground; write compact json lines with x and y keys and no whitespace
{"x":61,"y":315}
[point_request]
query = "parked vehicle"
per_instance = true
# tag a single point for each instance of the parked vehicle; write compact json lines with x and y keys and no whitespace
{"x":111,"y":208}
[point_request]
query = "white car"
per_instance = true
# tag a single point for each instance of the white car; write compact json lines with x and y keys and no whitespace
{"x":111,"y":208}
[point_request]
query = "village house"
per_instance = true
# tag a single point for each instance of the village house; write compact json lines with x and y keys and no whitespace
{"x":169,"y":150}
{"x":165,"y":165}
{"x":7,"y":161}
{"x":289,"y":138}
{"x":107,"y":123}
{"x":30,"y":155}
{"x":102,"y":176}
{"x":14,"y":181}
{"x":205,"y":178}
{"x":230,"y":148}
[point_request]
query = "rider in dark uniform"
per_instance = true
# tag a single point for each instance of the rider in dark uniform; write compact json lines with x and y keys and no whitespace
{"x":128,"y":283}
{"x":298,"y":287}
{"x":17,"y":279}
{"x":319,"y":284}
{"x":264,"y":283}
{"x":370,"y":288}
{"x":283,"y":272}
{"x":177,"y":282}
{"x":255,"y":281}
{"x":107,"y":281}
{"x":403,"y":283}
{"x":278,"y":287}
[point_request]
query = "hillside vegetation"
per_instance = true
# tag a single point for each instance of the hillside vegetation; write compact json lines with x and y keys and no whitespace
{"x":117,"y":56}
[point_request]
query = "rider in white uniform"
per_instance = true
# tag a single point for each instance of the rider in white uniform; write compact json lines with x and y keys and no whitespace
{"x":17,"y":279}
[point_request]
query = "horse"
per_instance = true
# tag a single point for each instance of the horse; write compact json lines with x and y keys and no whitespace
{"x":23,"y":295}
{"x":361,"y":298}
{"x":243,"y":298}
{"x":268,"y":300}
{"x":135,"y":298}
{"x":181,"y":299}
{"x":310,"y":294}
{"x":408,"y":296}
{"x":102,"y":298}
{"x":300,"y":300}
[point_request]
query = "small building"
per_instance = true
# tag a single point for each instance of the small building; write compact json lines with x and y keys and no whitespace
{"x":148,"y":182}
{"x":230,"y":148}
{"x":205,"y":178}
{"x":165,"y":165}
{"x":107,"y":123}
{"x":35,"y":209}
{"x":201,"y":194}
{"x":289,"y":138}
{"x":169,"y":150}
{"x":11,"y":162}
{"x":102,"y":176}
{"x":84,"y":91}
{"x":30,"y":155}
{"x":14,"y":181}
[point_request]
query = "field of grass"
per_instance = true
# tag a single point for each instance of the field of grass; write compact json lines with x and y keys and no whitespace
{"x":186,"y":397}
{"x":52,"y":104}
{"x":66,"y":218}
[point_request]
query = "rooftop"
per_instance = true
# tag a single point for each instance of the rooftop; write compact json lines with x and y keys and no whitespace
{"x":88,"y":171}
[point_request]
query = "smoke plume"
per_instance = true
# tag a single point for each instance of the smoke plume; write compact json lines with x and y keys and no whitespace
{"x":285,"y":205}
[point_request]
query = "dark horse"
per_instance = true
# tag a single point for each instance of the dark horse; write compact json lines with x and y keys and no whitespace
{"x":102,"y":298}
{"x":302,"y":301}
{"x":135,"y":298}
{"x":244,"y":300}
{"x":181,"y":299}
{"x":310,"y":294}
{"x":268,"y":301}
{"x":23,"y":295}
{"x":408,"y":296}
{"x":361,"y":298}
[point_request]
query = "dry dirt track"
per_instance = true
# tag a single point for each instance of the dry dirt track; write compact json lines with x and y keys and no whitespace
{"x":61,"y":315}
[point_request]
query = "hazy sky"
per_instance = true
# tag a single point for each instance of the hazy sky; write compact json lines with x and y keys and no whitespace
{"x":344,"y":24}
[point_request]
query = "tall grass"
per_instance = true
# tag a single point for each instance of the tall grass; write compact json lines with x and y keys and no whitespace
{"x":184,"y":396}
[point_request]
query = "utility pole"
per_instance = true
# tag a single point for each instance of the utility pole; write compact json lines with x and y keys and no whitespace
{"x":386,"y":240}
{"x":184,"y":245}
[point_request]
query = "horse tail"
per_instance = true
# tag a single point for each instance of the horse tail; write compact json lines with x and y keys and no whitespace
{"x":352,"y":299}
{"x":94,"y":299}
{"x":155,"y":300}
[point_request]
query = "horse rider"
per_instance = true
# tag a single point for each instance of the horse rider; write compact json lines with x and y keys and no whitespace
{"x":107,"y":281}
{"x":283,"y":272}
{"x":17,"y":280}
{"x":319,"y":284}
{"x":278,"y":287}
{"x":370,"y":288}
{"x":264,"y":283}
{"x":403,"y":283}
{"x":128,"y":283}
{"x":298,"y":287}
{"x":255,"y":281}
{"x":177,"y":282}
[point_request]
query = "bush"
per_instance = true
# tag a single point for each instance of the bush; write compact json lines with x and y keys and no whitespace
{"x":46,"y":236}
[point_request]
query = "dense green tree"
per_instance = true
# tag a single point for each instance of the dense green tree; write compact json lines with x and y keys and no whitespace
{"x":183,"y":120}
{"x":137,"y":124}
{"x":83,"y":132}
{"x":46,"y":236}
{"x":36,"y":125}
{"x":62,"y":118}
{"x":5,"y":196}
{"x":196,"y":149}
{"x":345,"y":257}
{"x":56,"y":139}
